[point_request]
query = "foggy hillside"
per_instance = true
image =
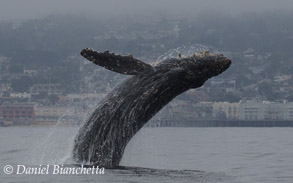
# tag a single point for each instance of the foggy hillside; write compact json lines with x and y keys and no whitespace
{"x":255,"y":42}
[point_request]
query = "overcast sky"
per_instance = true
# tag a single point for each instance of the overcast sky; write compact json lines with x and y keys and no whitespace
{"x":23,"y":9}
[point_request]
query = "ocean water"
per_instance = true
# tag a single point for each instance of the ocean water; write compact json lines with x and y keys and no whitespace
{"x":203,"y":155}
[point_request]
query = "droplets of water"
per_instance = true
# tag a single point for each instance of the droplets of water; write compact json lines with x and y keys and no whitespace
{"x":56,"y":143}
{"x":187,"y":49}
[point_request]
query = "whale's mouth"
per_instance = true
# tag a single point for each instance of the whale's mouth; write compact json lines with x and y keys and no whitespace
{"x":227,"y":64}
{"x":219,"y":66}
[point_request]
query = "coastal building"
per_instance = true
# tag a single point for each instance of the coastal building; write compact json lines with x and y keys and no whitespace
{"x":84,"y":96}
{"x":203,"y":110}
{"x":50,"y":89}
{"x":181,"y":110}
{"x":49,"y":113}
{"x":290,"y":111}
{"x":251,"y":110}
{"x":21,"y":95}
{"x":231,"y":110}
{"x":17,"y":112}
{"x":265,"y":110}
{"x":2,"y":121}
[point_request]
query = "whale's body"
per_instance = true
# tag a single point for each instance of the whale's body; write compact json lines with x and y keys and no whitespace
{"x":124,"y":111}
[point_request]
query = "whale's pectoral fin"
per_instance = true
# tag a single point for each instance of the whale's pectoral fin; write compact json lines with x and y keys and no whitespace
{"x":121,"y":64}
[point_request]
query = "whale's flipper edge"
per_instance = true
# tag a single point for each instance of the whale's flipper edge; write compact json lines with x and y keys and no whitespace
{"x":117,"y":63}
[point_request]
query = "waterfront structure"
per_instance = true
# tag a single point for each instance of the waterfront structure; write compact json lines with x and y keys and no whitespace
{"x":231,"y":110}
{"x":67,"y":114}
{"x":265,"y":110}
{"x":250,"y":110}
{"x":17,"y":112}
{"x":91,"y":96}
{"x":49,"y":113}
{"x":203,"y":110}
{"x":50,"y":89}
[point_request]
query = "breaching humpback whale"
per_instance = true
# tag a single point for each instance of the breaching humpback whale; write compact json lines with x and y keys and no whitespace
{"x":103,"y":137}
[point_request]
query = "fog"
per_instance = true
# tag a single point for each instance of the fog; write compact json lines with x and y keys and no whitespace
{"x":24,"y":9}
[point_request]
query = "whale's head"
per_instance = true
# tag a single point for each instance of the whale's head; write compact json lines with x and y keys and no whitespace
{"x":199,"y":68}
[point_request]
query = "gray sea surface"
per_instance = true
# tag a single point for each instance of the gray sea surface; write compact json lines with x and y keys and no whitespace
{"x":203,"y":155}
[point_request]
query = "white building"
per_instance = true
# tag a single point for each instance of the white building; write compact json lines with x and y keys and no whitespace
{"x":255,"y":110}
{"x":20,"y":95}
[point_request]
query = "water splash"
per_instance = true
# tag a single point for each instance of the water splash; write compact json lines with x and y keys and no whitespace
{"x":56,"y":144}
{"x":185,"y":50}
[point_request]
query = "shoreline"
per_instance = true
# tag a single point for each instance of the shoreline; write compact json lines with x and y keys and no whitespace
{"x":177,"y":123}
